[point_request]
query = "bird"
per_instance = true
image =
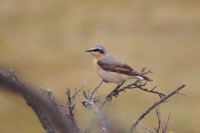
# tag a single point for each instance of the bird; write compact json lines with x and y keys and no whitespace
{"x":111,"y":69}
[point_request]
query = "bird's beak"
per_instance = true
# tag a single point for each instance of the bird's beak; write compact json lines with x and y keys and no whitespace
{"x":88,"y":51}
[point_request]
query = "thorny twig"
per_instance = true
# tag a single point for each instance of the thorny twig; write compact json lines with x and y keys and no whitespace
{"x":90,"y":103}
{"x":136,"y":84}
{"x":90,"y":98}
{"x":67,"y":110}
{"x":95,"y":89}
{"x":76,"y":92}
{"x":70,"y":106}
{"x":140,"y":85}
{"x":144,"y":71}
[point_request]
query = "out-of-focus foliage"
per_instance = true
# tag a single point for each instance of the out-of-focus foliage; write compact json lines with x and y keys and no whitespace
{"x":44,"y":42}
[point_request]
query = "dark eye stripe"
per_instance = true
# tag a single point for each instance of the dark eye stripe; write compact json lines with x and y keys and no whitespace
{"x":98,"y":50}
{"x":95,"y":50}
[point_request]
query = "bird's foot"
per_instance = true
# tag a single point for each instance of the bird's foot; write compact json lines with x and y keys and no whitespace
{"x":113,"y":93}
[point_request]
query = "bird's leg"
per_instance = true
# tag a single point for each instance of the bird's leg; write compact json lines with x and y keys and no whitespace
{"x":117,"y":88}
{"x":114,"y":92}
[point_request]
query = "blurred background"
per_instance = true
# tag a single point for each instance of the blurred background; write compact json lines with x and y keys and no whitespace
{"x":44,"y":42}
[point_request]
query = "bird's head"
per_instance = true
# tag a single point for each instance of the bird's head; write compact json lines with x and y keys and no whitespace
{"x":98,"y":51}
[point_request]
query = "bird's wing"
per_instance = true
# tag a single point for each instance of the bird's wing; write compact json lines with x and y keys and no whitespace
{"x":112,"y":64}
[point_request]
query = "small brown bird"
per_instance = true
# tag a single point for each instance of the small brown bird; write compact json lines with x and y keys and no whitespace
{"x":111,"y":69}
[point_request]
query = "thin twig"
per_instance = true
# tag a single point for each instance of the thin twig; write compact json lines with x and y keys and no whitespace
{"x":166,"y":124}
{"x":140,"y":85}
{"x":95,"y":89}
{"x":147,"y":129}
{"x":69,"y":108}
{"x":90,"y":103}
{"x":137,"y":84}
{"x":90,"y":98}
{"x":77,"y":91}
{"x":153,"y":106}
{"x":159,"y":119}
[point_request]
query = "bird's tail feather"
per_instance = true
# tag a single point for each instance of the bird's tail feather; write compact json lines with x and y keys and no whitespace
{"x":144,"y":78}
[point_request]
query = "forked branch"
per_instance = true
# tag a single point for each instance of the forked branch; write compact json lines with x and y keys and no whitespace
{"x":53,"y":116}
{"x":91,"y":98}
{"x":155,"y":105}
{"x":138,"y":84}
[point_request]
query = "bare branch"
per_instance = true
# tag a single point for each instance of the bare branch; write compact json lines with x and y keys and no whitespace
{"x":90,"y":103}
{"x":146,"y":129}
{"x":136,"y":84}
{"x":54,"y":116}
{"x":153,"y":106}
{"x":166,"y":124}
{"x":161,"y":124}
{"x":77,"y":91}
{"x":95,"y":89}
{"x":40,"y":105}
{"x":144,"y":71}
{"x":70,"y":106}
{"x":159,"y":119}
{"x":139,"y":85}
{"x":90,"y":98}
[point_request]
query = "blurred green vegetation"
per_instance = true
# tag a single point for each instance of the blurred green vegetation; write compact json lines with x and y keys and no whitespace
{"x":44,"y":42}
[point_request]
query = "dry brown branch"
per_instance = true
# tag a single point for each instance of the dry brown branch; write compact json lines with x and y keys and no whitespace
{"x":95,"y":89}
{"x":136,"y":84}
{"x":155,"y":105}
{"x":90,"y":98}
{"x":68,"y":110}
{"x":140,"y":85}
{"x":50,"y":117}
{"x":166,"y":123}
{"x":70,"y":106}
{"x":90,"y":103}
{"x":147,"y":130}
{"x":144,"y":71}
{"x":55,"y":116}
{"x":159,"y":119}
{"x":161,"y":125}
